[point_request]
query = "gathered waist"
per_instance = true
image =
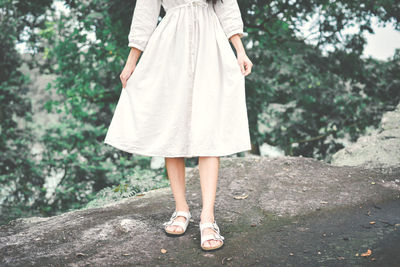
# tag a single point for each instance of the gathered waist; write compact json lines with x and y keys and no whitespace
{"x":192,"y":3}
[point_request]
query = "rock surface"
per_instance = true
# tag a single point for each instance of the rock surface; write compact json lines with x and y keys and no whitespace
{"x":290,"y":211}
{"x":381,"y":148}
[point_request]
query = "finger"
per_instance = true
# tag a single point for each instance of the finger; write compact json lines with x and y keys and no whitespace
{"x":249,"y":67}
{"x":242,"y":70}
{"x":246,"y":69}
{"x":241,"y":64}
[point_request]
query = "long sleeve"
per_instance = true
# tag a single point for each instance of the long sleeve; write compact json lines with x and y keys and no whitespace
{"x":229,"y":15}
{"x":144,"y":21}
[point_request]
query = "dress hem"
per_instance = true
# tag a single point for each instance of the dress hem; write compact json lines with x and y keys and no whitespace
{"x":160,"y":154}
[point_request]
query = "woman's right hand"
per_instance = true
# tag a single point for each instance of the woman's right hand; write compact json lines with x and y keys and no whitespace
{"x":130,"y":65}
{"x":126,"y":73}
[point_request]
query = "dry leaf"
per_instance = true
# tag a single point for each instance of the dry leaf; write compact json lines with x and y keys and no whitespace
{"x":240,"y":197}
{"x":368,"y":253}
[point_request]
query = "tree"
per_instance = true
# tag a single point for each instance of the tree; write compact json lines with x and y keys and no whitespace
{"x":21,"y":181}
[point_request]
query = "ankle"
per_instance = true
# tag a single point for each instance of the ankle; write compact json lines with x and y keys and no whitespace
{"x":182,"y":208}
{"x":206,"y":218}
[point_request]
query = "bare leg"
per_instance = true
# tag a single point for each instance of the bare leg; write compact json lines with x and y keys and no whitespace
{"x":176,"y":175}
{"x":208,"y":167}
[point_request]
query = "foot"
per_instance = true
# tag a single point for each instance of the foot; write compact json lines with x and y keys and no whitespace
{"x":210,"y":231}
{"x":177,"y":228}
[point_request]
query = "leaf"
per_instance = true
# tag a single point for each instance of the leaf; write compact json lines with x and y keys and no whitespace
{"x":241,"y":196}
{"x":366,"y":254}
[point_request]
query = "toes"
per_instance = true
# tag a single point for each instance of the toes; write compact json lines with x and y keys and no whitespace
{"x":212,"y":243}
{"x":174,"y":228}
{"x":209,"y":244}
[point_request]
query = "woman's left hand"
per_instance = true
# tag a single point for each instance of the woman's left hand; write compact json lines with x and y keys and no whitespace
{"x":244,"y":63}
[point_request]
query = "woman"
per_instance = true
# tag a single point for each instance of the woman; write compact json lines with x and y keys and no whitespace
{"x":185,"y":97}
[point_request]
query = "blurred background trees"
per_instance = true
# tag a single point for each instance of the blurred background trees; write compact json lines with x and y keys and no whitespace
{"x":307,"y":95}
{"x":21,"y":181}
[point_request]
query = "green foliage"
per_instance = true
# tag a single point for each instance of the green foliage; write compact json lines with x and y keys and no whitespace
{"x":318,"y":98}
{"x":88,"y":82}
{"x":298,"y":98}
{"x":21,"y":182}
{"x":138,"y":181}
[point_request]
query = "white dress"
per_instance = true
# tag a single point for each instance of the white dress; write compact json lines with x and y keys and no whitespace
{"x":186,"y":96}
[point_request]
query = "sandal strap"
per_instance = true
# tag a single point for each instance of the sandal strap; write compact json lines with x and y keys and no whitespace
{"x":184,"y":214}
{"x":181,"y":224}
{"x":206,"y":225}
{"x":175,"y":214}
{"x":212,"y":237}
{"x":212,"y":225}
{"x":215,"y":236}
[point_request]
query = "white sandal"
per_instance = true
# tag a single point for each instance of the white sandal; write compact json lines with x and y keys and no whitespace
{"x":215,"y":236}
{"x":171,"y":221}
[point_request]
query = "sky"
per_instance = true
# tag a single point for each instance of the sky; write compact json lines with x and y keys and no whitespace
{"x":380,"y":45}
{"x":383,"y":43}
